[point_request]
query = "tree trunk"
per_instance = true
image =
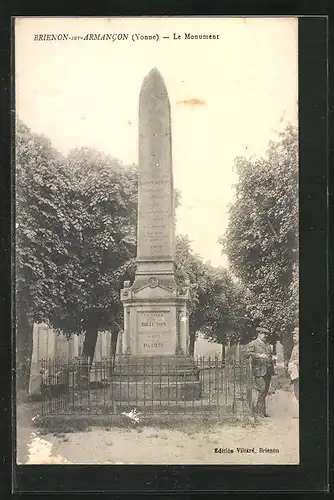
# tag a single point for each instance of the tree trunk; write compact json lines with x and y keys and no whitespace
{"x":24,"y":348}
{"x":192,"y":338}
{"x":287,"y":348}
{"x":113,"y":346}
{"x":114,"y":336}
{"x":223,"y":351}
{"x":89,"y":345}
{"x":237,"y":352}
{"x":287,"y":345}
{"x":229,"y":349}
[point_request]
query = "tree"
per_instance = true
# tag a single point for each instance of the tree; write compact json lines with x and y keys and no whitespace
{"x":217,"y":307}
{"x":189,"y":272}
{"x":261,"y":240}
{"x":227,"y":316}
{"x":41,"y":210}
{"x":75,"y":241}
{"x":101,"y":242}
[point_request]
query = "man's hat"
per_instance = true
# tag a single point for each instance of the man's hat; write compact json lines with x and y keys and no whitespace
{"x":260,"y":329}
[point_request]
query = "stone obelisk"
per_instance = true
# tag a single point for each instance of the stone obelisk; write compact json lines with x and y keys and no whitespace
{"x":155,"y":308}
{"x":155,"y":237}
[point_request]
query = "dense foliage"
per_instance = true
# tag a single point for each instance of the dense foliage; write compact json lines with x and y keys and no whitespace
{"x":41,"y":209}
{"x":75,"y":239}
{"x":101,"y":242}
{"x":261,"y":241}
{"x":218,"y":303}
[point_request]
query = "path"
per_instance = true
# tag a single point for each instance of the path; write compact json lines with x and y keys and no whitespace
{"x":24,"y":428}
{"x":150,"y":445}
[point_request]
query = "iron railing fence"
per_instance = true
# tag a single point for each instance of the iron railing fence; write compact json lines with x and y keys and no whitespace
{"x":209,"y":386}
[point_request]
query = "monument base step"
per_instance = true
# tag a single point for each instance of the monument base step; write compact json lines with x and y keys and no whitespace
{"x":163,"y":370}
{"x":153,"y":391}
{"x":155,"y":378}
{"x":154,"y":364}
{"x":150,"y":378}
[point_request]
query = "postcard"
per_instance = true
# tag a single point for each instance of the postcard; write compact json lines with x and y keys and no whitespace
{"x":156,"y":191}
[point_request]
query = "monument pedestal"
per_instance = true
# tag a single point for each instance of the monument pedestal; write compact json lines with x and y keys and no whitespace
{"x":155,"y":363}
{"x":155,"y":319}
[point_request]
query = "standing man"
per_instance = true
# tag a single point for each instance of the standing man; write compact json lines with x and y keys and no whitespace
{"x":259,"y":352}
{"x":293,"y":366}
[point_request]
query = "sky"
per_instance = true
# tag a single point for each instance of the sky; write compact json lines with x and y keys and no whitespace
{"x":229,"y":97}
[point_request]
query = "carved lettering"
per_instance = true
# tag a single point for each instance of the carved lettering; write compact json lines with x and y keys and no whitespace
{"x":153,"y":331}
{"x":154,"y":345}
{"x":153,"y":324}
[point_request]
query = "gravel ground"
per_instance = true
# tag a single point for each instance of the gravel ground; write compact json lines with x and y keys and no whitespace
{"x":152,"y":445}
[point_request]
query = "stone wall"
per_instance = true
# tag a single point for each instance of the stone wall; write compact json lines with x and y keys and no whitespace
{"x":47,"y":344}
